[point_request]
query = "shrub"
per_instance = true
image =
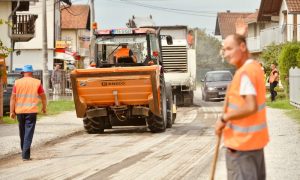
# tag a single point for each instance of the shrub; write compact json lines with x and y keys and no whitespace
{"x":270,"y":55}
{"x":287,"y":59}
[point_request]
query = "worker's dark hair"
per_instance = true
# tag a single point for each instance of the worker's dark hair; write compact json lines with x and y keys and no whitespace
{"x":239,"y":38}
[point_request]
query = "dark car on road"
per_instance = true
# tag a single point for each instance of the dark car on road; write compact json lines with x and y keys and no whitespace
{"x":215,"y":84}
{"x":11,"y":78}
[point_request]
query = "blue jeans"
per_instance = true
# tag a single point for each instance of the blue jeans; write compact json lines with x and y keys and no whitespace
{"x":26,"y":130}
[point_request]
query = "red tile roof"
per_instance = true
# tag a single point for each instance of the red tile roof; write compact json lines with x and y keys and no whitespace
{"x":293,"y":6}
{"x":225,"y":24}
{"x":75,"y":17}
{"x":252,"y":17}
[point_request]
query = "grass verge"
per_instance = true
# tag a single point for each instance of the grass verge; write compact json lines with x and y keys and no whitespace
{"x":291,"y":112}
{"x":53,"y":108}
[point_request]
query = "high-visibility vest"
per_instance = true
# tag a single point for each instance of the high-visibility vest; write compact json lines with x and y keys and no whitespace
{"x":272,"y":76}
{"x":251,"y":132}
{"x":27,"y":97}
{"x":123,"y":52}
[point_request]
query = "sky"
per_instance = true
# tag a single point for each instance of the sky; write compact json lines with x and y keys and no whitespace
{"x":193,"y":13}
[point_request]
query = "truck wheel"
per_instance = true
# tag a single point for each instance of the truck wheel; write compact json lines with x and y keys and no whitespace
{"x":94,"y":125}
{"x":158,"y":124}
{"x":169,"y":95}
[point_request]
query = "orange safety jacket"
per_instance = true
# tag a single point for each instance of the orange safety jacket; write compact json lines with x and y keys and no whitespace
{"x":248,"y":133}
{"x":123,"y":52}
{"x":27,"y":96}
{"x":272,"y":76}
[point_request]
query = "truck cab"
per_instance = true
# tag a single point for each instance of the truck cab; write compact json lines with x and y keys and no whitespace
{"x":123,"y":91}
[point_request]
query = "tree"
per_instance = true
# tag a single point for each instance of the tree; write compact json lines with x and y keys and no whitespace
{"x":208,"y":54}
{"x":4,"y":52}
{"x":270,"y":56}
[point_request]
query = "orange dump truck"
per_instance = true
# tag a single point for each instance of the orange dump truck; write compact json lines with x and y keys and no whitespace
{"x":124,"y":93}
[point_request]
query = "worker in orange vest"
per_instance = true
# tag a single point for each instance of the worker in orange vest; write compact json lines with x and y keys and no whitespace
{"x":24,"y":104}
{"x":190,"y":39}
{"x":243,"y":123}
{"x":124,"y":51}
{"x":273,"y":80}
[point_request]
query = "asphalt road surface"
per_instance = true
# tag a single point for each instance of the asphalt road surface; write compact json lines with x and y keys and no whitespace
{"x":183,"y":152}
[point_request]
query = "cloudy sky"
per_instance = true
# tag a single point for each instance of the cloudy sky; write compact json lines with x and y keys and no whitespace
{"x":194,"y":13}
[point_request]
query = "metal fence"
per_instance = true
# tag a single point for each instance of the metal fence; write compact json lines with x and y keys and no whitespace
{"x":65,"y":87}
{"x":294,"y":81}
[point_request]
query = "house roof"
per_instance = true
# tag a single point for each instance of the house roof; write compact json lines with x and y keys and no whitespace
{"x":225,"y":24}
{"x":293,"y":6}
{"x":75,"y":17}
{"x":252,"y":18}
{"x":270,"y":8}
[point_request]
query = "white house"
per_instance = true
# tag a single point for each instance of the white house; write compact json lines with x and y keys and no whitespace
{"x":277,"y":21}
{"x":26,"y":33}
{"x":22,"y":23}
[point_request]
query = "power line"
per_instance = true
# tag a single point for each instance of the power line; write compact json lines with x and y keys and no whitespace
{"x":173,"y":10}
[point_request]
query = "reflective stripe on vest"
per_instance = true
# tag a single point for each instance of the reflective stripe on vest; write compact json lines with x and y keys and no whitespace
{"x":26,"y":104}
{"x":235,"y":107}
{"x":249,"y":129}
{"x":27,"y":97}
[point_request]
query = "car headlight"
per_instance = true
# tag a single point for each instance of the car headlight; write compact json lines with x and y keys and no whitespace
{"x":211,"y":88}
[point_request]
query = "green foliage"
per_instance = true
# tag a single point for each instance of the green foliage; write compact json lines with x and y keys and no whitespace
{"x":298,"y":59}
{"x":295,"y":114}
{"x":270,"y":55}
{"x":208,"y":54}
{"x":54,"y":107}
{"x":284,"y":104}
{"x":280,"y":104}
{"x":4,"y":51}
{"x":288,"y":59}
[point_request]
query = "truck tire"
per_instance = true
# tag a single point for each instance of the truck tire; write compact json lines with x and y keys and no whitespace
{"x":94,"y":125}
{"x":169,"y":95}
{"x":158,"y":124}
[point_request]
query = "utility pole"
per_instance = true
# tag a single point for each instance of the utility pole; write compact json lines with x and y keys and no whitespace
{"x":45,"y":51}
{"x":92,"y":18}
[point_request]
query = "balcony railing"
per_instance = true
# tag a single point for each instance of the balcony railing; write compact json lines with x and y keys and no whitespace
{"x":23,"y":27}
{"x":271,"y":35}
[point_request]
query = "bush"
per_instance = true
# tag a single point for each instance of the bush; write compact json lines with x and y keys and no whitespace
{"x":270,"y":56}
{"x":287,"y":59}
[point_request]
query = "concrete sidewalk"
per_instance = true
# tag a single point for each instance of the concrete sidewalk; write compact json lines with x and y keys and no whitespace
{"x":47,"y":129}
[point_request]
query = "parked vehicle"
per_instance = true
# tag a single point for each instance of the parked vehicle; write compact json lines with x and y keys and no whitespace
{"x":215,"y":84}
{"x":124,"y":93}
{"x":11,"y":78}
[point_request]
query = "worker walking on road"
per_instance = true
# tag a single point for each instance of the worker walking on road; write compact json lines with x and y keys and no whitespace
{"x":243,"y":123}
{"x":24,"y":104}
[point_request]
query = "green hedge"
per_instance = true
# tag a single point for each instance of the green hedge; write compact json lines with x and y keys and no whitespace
{"x":288,"y":59}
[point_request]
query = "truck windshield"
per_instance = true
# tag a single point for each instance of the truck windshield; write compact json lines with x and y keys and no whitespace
{"x":107,"y":47}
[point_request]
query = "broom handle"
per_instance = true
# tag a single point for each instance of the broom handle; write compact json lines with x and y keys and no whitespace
{"x":214,"y":164}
